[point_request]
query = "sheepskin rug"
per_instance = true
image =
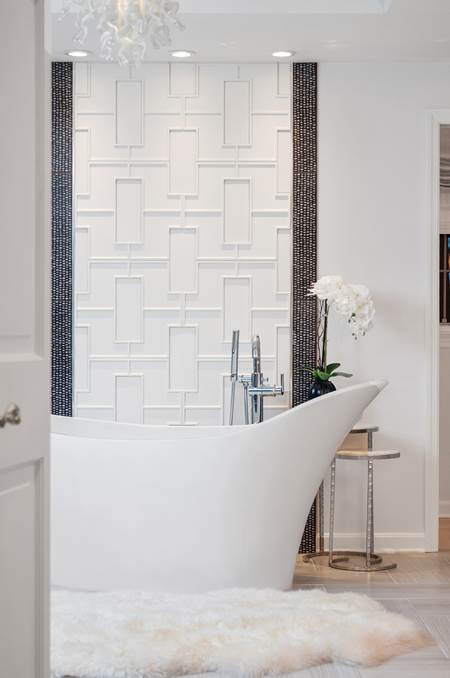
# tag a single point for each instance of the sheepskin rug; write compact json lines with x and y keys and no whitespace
{"x":244,"y":633}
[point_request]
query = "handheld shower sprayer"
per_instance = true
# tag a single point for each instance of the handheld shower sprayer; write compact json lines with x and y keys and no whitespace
{"x":234,"y":370}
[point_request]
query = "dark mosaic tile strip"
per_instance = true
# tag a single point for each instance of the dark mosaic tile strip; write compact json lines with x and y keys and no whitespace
{"x":62,"y":292}
{"x":304,"y":309}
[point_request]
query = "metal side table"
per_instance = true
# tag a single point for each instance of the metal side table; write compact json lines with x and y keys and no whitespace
{"x":320,"y":506}
{"x":373,"y":562}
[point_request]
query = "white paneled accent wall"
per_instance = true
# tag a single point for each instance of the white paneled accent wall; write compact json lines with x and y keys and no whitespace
{"x":182,"y":234}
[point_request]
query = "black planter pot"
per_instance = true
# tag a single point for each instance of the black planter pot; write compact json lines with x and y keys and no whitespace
{"x":320,"y":388}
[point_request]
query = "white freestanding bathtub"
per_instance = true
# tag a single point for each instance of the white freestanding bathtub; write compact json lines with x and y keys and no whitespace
{"x":191,"y":509}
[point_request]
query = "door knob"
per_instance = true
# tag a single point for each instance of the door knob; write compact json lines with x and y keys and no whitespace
{"x":10,"y":416}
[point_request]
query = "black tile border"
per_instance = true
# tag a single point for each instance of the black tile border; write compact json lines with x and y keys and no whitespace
{"x":304,"y":259}
{"x":62,"y":292}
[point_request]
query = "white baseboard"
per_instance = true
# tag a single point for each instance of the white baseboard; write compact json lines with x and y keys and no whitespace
{"x":385,"y":542}
{"x":444,"y":508}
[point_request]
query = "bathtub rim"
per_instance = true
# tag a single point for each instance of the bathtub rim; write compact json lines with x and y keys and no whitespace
{"x":111,"y":430}
{"x":79,"y":427}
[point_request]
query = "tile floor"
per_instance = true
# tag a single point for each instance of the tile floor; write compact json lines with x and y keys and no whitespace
{"x":418,"y":588}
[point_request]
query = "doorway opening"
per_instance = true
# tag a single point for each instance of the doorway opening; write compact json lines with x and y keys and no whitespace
{"x":444,"y":337}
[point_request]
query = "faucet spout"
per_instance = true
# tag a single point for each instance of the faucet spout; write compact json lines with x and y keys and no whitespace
{"x":256,"y":354}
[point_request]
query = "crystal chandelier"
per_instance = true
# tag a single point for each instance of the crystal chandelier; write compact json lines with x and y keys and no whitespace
{"x":125,"y":25}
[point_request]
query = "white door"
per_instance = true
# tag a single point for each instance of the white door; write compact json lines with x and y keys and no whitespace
{"x":24,"y":331}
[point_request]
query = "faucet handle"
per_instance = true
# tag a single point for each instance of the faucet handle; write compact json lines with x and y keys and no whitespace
{"x":282,"y":383}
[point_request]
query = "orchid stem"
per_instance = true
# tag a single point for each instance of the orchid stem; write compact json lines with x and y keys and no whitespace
{"x":325,"y":338}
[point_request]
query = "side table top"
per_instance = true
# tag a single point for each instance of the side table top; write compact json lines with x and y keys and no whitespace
{"x":367,"y":454}
{"x":364,"y":428}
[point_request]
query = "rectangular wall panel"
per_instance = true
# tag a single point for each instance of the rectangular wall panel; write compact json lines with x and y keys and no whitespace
{"x":129,"y":113}
{"x":183,"y":80}
{"x":129,"y":211}
{"x":183,"y":358}
{"x":237,"y":211}
{"x":183,"y":161}
{"x":283,"y":79}
{"x":128,"y":309}
{"x":237,"y":124}
{"x":236,"y":308}
{"x":81,"y":348}
{"x":284,"y":161}
{"x":129,"y":398}
{"x":283,"y":354}
{"x":81,"y":160}
{"x":82,"y":73}
{"x":82,"y":252}
{"x":183,"y":260}
{"x":283,"y":261}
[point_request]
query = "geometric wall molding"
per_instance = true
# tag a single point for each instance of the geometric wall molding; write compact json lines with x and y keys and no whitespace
{"x":182,"y":234}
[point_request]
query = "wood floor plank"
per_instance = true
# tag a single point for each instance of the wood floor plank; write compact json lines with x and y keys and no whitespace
{"x":427,"y":569}
{"x":402,"y":606}
{"x":393,"y":591}
{"x":444,"y":534}
{"x":431,"y":606}
{"x":311,"y":586}
{"x":434,"y":669}
{"x":439,"y":627}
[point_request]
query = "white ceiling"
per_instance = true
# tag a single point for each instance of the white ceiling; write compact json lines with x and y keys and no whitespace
{"x":318,"y":30}
{"x":273,"y":6}
{"x":285,"y":6}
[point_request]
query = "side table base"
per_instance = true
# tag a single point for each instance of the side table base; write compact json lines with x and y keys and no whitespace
{"x":376,"y":563}
{"x":371,"y":561}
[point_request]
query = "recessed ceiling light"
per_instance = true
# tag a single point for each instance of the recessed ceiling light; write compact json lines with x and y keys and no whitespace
{"x":77,"y":53}
{"x":182,"y":53}
{"x":283,"y":54}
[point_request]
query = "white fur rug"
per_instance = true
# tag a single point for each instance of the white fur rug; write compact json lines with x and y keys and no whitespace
{"x":238,"y":632}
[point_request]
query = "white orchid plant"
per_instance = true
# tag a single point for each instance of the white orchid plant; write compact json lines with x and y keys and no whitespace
{"x":351,"y":302}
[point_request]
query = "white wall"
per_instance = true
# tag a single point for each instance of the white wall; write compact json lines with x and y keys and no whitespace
{"x":444,"y":353}
{"x":373,"y":229}
{"x":182,"y":179}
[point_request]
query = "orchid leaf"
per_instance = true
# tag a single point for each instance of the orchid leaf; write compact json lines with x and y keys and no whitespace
{"x":323,"y":376}
{"x":342,"y":374}
{"x":332,"y":366}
